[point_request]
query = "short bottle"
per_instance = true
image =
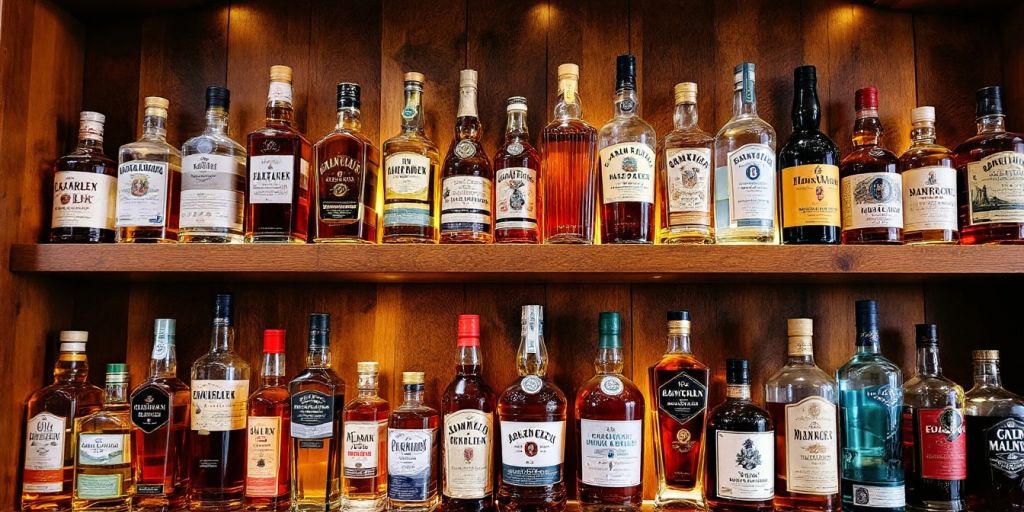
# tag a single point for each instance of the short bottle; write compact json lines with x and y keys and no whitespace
{"x":517,"y":182}
{"x":84,"y":188}
{"x":365,"y":474}
{"x":929,"y":185}
{"x":684,"y":171}
{"x":467,"y":179}
{"x":267,"y":458}
{"x":995,"y":430}
{"x":412,"y":450}
{"x":104,"y":477}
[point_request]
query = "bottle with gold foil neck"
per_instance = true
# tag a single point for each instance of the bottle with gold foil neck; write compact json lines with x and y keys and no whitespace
{"x":684,"y":171}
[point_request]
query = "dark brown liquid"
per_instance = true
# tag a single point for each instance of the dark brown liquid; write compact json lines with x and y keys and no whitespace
{"x":280,"y":222}
{"x":218,"y":469}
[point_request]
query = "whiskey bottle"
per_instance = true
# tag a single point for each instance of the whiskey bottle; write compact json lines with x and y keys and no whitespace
{"x":267,"y":456}
{"x":741,"y":448}
{"x":213,"y":178}
{"x":317,"y":401}
{"x":684,"y":171}
{"x":610,"y":423}
{"x":149,"y":182}
{"x":51,"y":413}
{"x":995,"y":440}
{"x":679,"y":385}
{"x":626,"y":146}
{"x":220,"y":390}
{"x":517,"y":206}
{"x":531,"y":414}
{"x":104,"y":479}
{"x":160,"y":420}
{"x":467,"y":180}
{"x":365,"y":475}
{"x":929,"y":185}
{"x":84,"y":188}
{"x":801,"y":400}
{"x":934,"y":441}
{"x":412,"y":450}
{"x":467,"y":450}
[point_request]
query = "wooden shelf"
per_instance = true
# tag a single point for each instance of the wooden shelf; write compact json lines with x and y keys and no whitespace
{"x":518,"y":263}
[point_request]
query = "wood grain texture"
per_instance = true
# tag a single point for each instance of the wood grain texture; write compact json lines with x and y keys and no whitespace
{"x":1013,"y":66}
{"x":111,"y":87}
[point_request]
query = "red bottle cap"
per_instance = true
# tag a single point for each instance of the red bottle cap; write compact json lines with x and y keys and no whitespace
{"x":866,"y":98}
{"x":469,"y":331}
{"x":273,"y":341}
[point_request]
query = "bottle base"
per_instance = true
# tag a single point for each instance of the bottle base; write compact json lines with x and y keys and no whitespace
{"x":570,"y":239}
{"x":210,"y":238}
{"x":364,"y":505}
{"x":273,"y":239}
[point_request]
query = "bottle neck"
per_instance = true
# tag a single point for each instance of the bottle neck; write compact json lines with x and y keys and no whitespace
{"x":986,"y":373}
{"x":626,"y":102}
{"x":467,"y":125}
{"x":412,"y":395}
{"x":568,"y":105}
{"x":154,"y":128}
{"x":867,"y":130}
{"x":868,"y":341}
{"x":678,"y":344}
{"x":412,"y":114}
{"x":923,"y":134}
{"x":467,"y":128}
{"x":90,"y":143}
{"x":223,"y":335}
{"x":164,"y":362}
{"x":609,"y":361}
{"x":744,"y":101}
{"x":348,"y":119}
{"x":532,"y":355}
{"x":216,"y":121}
{"x":468,"y":361}
{"x":367,"y":385}
{"x":318,"y":356}
{"x":685,"y":116}
{"x":928,"y":360}
{"x":806,"y":108}
{"x":279,"y":104}
{"x":992,"y":124}
{"x":801,"y":350}
{"x":737,"y":392}
{"x":274,"y":369}
{"x":71,"y":367}
{"x":516,"y":127}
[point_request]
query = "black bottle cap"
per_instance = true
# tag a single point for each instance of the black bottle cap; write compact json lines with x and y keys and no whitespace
{"x":927,"y":335}
{"x":348,"y":95}
{"x":805,"y":75}
{"x":217,"y":96}
{"x":224,"y":307}
{"x":737,"y":371}
{"x":678,"y":315}
{"x":989,"y":101}
{"x":625,"y":72}
{"x":319,"y":328}
{"x":867,"y":315}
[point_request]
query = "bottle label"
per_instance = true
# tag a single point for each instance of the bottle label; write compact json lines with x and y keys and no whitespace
{"x":810,"y":196}
{"x":150,"y":408}
{"x":271,"y":179}
{"x":516,"y":193}
{"x":468,"y":438}
{"x":83,"y":200}
{"x":312,"y":415}
{"x":532,"y":453}
{"x":407,"y":190}
{"x":942,"y":444}
{"x":996,"y":186}
{"x":409,"y":463}
{"x":611,"y":452}
{"x":466,"y":204}
{"x":142,"y":193}
{"x":103,"y":449}
{"x":209,"y":198}
{"x":98,"y":487}
{"x":929,"y":199}
{"x":1005,"y":445}
{"x":888,"y":395}
{"x":340,"y":195}
{"x":872,"y":200}
{"x":362,"y":440}
{"x":44,"y":454}
{"x":531,"y":384}
{"x":280,"y":92}
{"x":684,"y":396}
{"x":219,"y":405}
{"x":878,"y":496}
{"x":751,"y":185}
{"x":627,"y":173}
{"x":263,"y":456}
{"x":812,"y":448}
{"x":688,"y":184}
{"x":745,"y":465}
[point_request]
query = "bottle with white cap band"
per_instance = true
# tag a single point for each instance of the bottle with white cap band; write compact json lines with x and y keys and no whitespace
{"x":516,"y":176}
{"x":467,"y":181}
{"x":929,"y":185}
{"x":84,"y":188}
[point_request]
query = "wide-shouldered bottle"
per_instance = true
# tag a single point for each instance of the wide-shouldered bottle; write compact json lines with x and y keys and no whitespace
{"x":929,"y":185}
{"x":84,"y":188}
{"x":995,"y":440}
{"x":104,"y":456}
{"x":412,"y":450}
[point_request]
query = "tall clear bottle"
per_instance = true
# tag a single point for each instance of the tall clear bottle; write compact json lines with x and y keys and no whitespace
{"x":365,"y":475}
{"x":412,"y":450}
{"x":995,"y":440}
{"x":517,"y":178}
{"x":104,"y":480}
{"x":267,"y":461}
{"x":84,"y":188}
{"x":467,"y":214}
{"x":929,"y":185}
{"x":684,"y":171}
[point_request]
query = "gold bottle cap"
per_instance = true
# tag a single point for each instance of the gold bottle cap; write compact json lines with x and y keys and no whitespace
{"x":685,"y":92}
{"x":413,"y":76}
{"x":74,"y":336}
{"x":985,"y":355}
{"x":467,"y":78}
{"x":413,"y":377}
{"x":367,"y":367}
{"x":156,"y":106}
{"x":280,"y":74}
{"x":568,"y":71}
{"x":801,"y":331}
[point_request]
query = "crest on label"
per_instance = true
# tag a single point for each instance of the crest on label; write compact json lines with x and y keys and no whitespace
{"x":531,"y":384}
{"x":515,"y":148}
{"x":465,"y":149}
{"x":408,"y":113}
{"x":611,"y":385}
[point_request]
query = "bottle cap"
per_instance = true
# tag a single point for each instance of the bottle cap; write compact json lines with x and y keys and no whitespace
{"x":90,"y":116}
{"x":989,"y":101}
{"x":468,"y":78}
{"x":737,"y":371}
{"x":866,"y":98}
{"x":801,"y":332}
{"x":469,"y":331}
{"x":165,"y":327}
{"x":156,"y":106}
{"x":319,"y":329}
{"x":117,"y":368}
{"x":742,"y":72}
{"x":117,"y":373}
{"x":678,"y":323}
{"x":625,"y":72}
{"x":280,"y":74}
{"x":922,"y":115}
{"x":367,"y":367}
{"x":413,"y":76}
{"x":685,"y":92}
{"x":413,"y":378}
{"x":800,"y":326}
{"x":678,"y":315}
{"x":608,"y":326}
{"x":927,"y":335}
{"x":867,"y":315}
{"x":805,"y":75}
{"x":568,"y":71}
{"x":348,"y":95}
{"x":273,"y":341}
{"x":516,"y":104}
{"x":223,"y":307}
{"x":217,"y":96}
{"x":985,"y":355}
{"x":74,"y":336}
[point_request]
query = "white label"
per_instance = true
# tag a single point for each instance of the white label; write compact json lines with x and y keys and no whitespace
{"x":752,"y":188}
{"x":280,"y":91}
{"x":929,"y":199}
{"x":466,"y":200}
{"x":409,"y":463}
{"x":516,"y":191}
{"x":83,"y":200}
{"x":468,"y":438}
{"x":627,"y":173}
{"x":362,"y":448}
{"x":532,"y":452}
{"x":44,"y":453}
{"x":208,"y":195}
{"x":611,"y":385}
{"x":688,"y":182}
{"x":272,"y":179}
{"x":103,"y":449}
{"x":996,"y":186}
{"x":406,"y":190}
{"x":142,"y":193}
{"x":872,"y":200}
{"x":746,"y":465}
{"x":879,"y":497}
{"x":812,"y":450}
{"x":610,"y":452}
{"x":219,"y":405}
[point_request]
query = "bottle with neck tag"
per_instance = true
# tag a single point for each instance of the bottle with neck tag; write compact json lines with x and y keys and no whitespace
{"x":466,"y":181}
{"x":517,"y":204}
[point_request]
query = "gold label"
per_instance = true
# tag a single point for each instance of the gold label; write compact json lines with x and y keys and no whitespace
{"x":219,"y":405}
{"x":801,"y":346}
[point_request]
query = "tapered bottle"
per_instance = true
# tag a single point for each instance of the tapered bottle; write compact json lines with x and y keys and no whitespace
{"x":995,"y":440}
{"x":684,"y":171}
{"x":365,"y":474}
{"x":517,"y":181}
{"x":929,"y":185}
{"x":267,"y":461}
{"x":467,"y":179}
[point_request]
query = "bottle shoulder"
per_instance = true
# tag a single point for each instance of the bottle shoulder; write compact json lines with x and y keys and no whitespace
{"x":104,"y":420}
{"x":801,"y":376}
{"x":569,"y":125}
{"x":549,"y":400}
{"x":747,"y":126}
{"x":86,"y":161}
{"x":991,"y":142}
{"x":626,"y":129}
{"x":212,"y":143}
{"x":809,"y":147}
{"x":406,"y":142}
{"x":682,"y":139}
{"x":323,"y":376}
{"x":677,"y":362}
{"x":150,"y":151}
{"x":739,"y":415}
{"x":220,"y":365}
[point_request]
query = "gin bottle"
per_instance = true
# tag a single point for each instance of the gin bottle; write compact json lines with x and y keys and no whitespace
{"x":412,"y":450}
{"x":103,"y":451}
{"x":995,"y":440}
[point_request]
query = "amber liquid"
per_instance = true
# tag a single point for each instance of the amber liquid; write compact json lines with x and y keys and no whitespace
{"x":972,"y":150}
{"x":569,"y":179}
{"x":272,"y":401}
{"x":547,"y":405}
{"x":162,"y":460}
{"x":917,"y":157}
{"x":287,"y":222}
{"x":477,"y":164}
{"x":88,"y":157}
{"x":594,"y":404}
{"x":862,"y":160}
{"x":786,"y":501}
{"x":360,"y":492}
{"x":168,"y":233}
{"x":467,"y":391}
{"x":218,"y":470}
{"x":360,"y":187}
{"x":679,"y":456}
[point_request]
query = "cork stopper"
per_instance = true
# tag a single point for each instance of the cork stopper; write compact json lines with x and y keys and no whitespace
{"x":685,"y":92}
{"x":72,"y":345}
{"x":74,"y":336}
{"x":156,"y":106}
{"x":468,"y":78}
{"x":568,"y":71}
{"x":413,"y":76}
{"x":922,"y":115}
{"x":800,"y":331}
{"x":985,"y":355}
{"x":280,"y":74}
{"x":412,"y":378}
{"x":367,"y":367}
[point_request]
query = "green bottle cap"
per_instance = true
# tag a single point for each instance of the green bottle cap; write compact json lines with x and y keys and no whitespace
{"x":608,"y":326}
{"x":117,"y":368}
{"x":117,"y":373}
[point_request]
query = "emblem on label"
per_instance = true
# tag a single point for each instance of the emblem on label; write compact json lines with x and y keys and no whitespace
{"x":611,"y":385}
{"x":532,"y":384}
{"x":515,"y":148}
{"x":465,"y":149}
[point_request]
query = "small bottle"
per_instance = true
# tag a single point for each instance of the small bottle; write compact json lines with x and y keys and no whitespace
{"x":365,"y":475}
{"x":84,"y":188}
{"x":467,"y":180}
{"x":684,"y":170}
{"x":213,"y":178}
{"x":104,"y":479}
{"x":929,"y":185}
{"x":517,"y":204}
{"x":267,"y":460}
{"x":412,"y":450}
{"x":995,"y":440}
{"x":149,"y":182}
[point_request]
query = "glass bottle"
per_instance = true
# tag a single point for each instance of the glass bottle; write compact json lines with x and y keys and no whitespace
{"x":104,"y":479}
{"x":569,"y":166}
{"x":467,"y":180}
{"x":517,"y":205}
{"x":626,"y":145}
{"x":160,"y":420}
{"x":990,"y":172}
{"x":213,"y":178}
{"x":47,"y":480}
{"x":365,"y":476}
{"x":277,"y":205}
{"x":745,"y":190}
{"x":149,"y":182}
{"x":929,"y":185}
{"x":411,"y":161}
{"x":995,"y":440}
{"x":412,"y":450}
{"x":84,"y":188}
{"x":684,"y":171}
{"x":267,"y":458}
{"x":801,"y":399}
{"x":808,"y":171}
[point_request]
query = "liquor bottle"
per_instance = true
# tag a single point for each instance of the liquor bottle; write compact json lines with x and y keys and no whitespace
{"x":801,"y":399}
{"x":365,"y":473}
{"x":51,"y":412}
{"x":412,"y":450}
{"x":317,"y":401}
{"x":745,"y":188}
{"x":213,"y":178}
{"x":220,"y":389}
{"x":626,"y":145}
{"x":990,"y":171}
{"x":741,"y":452}
{"x":159,"y":415}
{"x":84,"y":188}
{"x":809,"y":175}
{"x":870,"y":403}
{"x":411,"y":161}
{"x":929,"y":185}
{"x":517,"y":206}
{"x":870,"y":185}
{"x":610,"y":423}
{"x":149,"y":181}
{"x":467,"y":450}
{"x":277,"y":205}
{"x":934,"y":442}
{"x":467,"y":179}
{"x":995,"y":440}
{"x":679,"y":383}
{"x":346,"y":177}
{"x":531,"y":416}
{"x":684,"y":171}
{"x":104,"y":479}
{"x":569,"y":166}
{"x":266,"y":455}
